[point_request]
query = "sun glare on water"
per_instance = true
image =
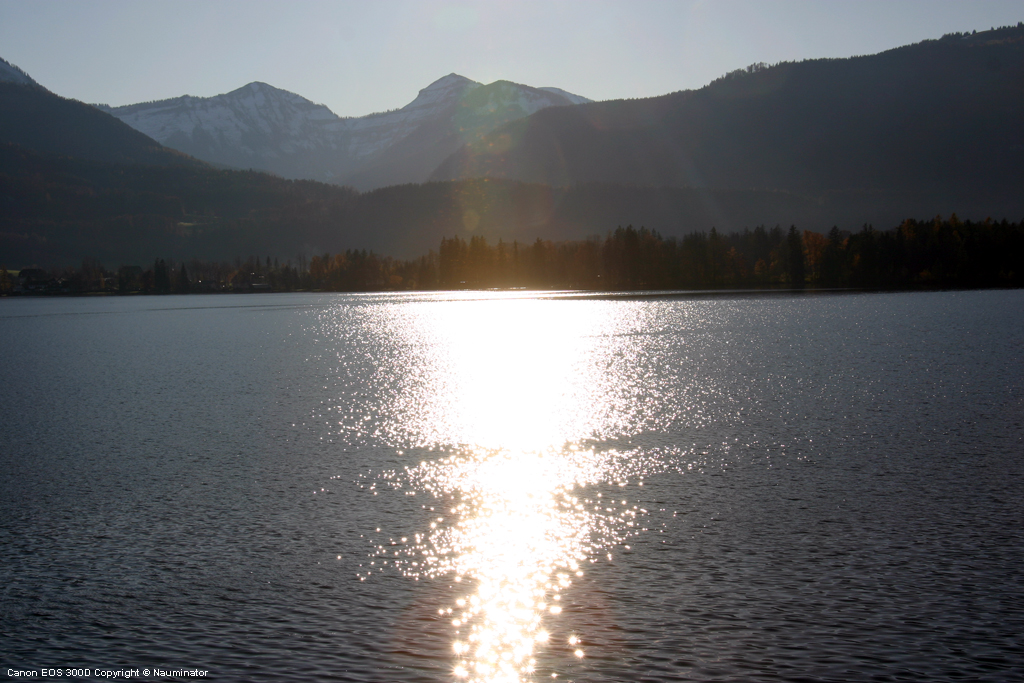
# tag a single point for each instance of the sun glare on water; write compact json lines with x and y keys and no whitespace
{"x":518,"y":532}
{"x":514,"y":388}
{"x":515,"y":374}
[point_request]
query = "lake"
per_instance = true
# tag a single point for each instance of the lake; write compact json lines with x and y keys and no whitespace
{"x":514,"y":486}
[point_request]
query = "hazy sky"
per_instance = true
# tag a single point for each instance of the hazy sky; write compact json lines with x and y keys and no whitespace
{"x":366,"y":56}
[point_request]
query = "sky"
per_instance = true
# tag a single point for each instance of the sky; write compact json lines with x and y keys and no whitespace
{"x":362,"y":57}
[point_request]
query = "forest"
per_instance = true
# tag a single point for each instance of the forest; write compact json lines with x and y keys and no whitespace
{"x":928,"y":254}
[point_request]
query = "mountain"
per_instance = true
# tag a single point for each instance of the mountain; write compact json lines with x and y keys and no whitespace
{"x":416,"y":148}
{"x":262,"y":127}
{"x":256,"y":126}
{"x":939,"y":119}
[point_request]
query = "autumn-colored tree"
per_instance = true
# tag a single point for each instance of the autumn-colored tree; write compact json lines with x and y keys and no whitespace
{"x":815,"y":245}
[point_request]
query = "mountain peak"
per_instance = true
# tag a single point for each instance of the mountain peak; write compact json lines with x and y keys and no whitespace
{"x":449,"y":81}
{"x":257,"y":87}
{"x":443,"y":92}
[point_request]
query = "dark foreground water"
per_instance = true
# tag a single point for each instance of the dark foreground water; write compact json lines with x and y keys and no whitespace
{"x":437,"y":488}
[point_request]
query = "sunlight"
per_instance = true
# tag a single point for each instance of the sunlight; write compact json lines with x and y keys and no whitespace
{"x":509,"y":389}
{"x":519,"y":536}
{"x":515,"y":374}
{"x":515,"y":365}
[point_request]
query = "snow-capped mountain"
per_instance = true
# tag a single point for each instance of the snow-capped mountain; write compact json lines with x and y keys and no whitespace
{"x":262,"y":127}
{"x":256,"y":126}
{"x":12,"y":74}
{"x":375,"y":133}
{"x":446,"y":115}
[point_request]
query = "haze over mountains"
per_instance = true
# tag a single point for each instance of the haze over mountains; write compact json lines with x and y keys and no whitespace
{"x":262,"y":127}
{"x":932,"y":128}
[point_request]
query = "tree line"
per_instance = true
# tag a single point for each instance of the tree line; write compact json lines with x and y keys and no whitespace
{"x":938,"y":253}
{"x":931,"y":254}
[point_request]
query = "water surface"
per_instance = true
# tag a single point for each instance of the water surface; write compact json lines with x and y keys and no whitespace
{"x":515,"y":487}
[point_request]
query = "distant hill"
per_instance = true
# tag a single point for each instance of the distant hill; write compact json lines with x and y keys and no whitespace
{"x":261,"y":127}
{"x":941,"y":119}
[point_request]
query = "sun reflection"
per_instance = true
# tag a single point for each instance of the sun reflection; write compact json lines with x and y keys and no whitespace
{"x":506,"y":388}
{"x":522,"y":375}
{"x":519,"y":527}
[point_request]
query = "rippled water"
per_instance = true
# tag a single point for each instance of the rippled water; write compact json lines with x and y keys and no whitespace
{"x":491,"y":487}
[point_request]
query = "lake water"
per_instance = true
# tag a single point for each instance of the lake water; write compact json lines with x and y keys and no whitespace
{"x":503,"y":487}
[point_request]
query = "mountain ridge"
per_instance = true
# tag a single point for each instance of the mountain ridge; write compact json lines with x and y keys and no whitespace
{"x":262,"y":127}
{"x":940,"y":116}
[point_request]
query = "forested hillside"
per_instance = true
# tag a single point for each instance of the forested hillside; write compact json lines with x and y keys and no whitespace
{"x":58,"y":210}
{"x":34,"y":118}
{"x":939,"y":119}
